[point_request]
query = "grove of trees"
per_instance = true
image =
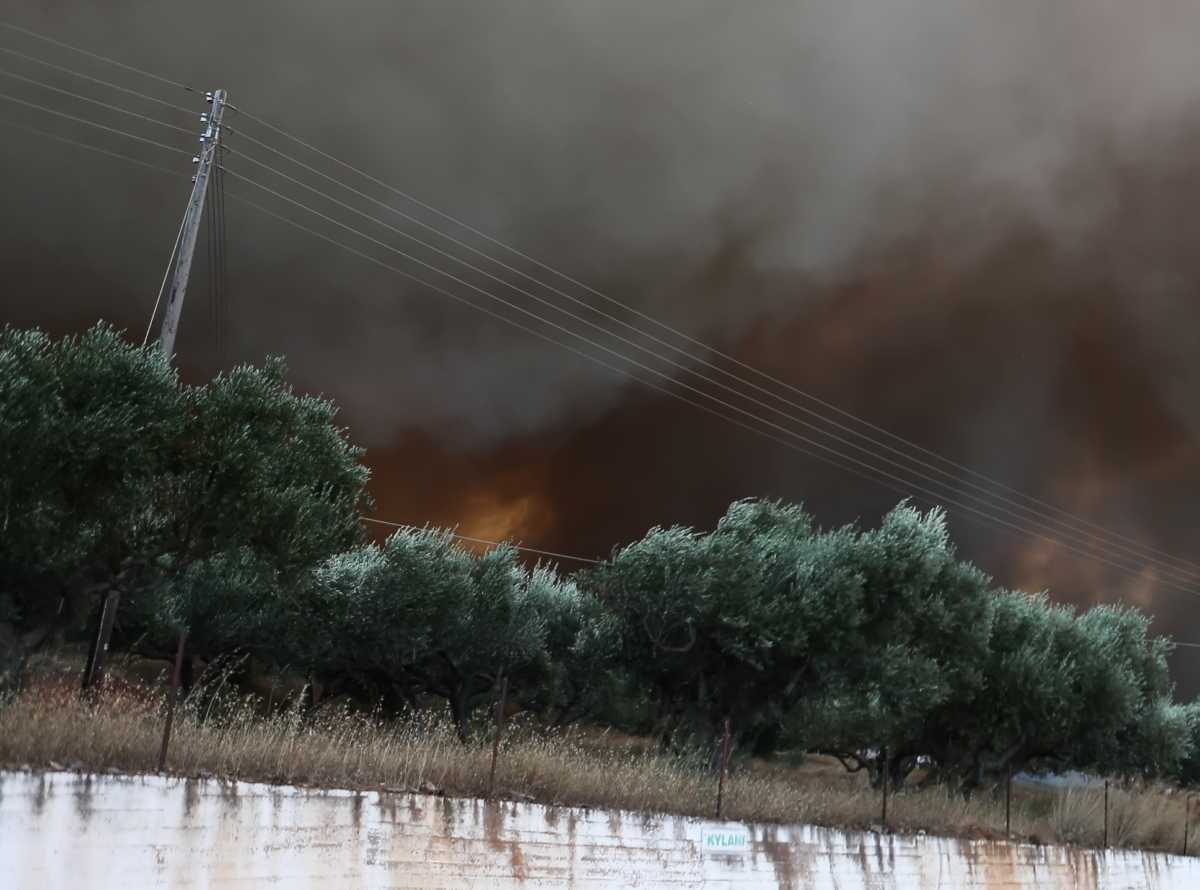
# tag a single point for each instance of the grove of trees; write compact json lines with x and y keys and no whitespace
{"x":232,"y":510}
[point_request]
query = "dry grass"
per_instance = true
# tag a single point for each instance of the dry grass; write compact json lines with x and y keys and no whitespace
{"x":50,"y":727}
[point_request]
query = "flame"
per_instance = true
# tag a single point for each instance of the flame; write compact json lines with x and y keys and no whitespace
{"x":493,"y":517}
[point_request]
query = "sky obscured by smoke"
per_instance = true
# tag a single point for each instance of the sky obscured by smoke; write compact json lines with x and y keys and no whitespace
{"x":971,"y":222}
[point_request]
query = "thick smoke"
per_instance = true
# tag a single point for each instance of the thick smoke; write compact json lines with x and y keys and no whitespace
{"x":971,"y":222}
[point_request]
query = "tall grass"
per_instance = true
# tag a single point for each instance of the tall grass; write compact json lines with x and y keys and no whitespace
{"x":49,"y":727}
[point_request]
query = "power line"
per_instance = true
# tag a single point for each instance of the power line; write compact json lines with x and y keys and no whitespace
{"x":644,"y":316}
{"x":95,"y":148}
{"x":481,"y":541}
{"x":91,"y":123}
{"x":484,"y":541}
{"x":82,"y":98}
{"x":1082,"y":537}
{"x":907,"y":491}
{"x":567,"y":556}
{"x":624,"y":372}
{"x":1106,"y":537}
{"x":937,"y":498}
{"x":96,"y":56}
{"x":591,"y":343}
{"x":96,"y":80}
{"x":936,"y":495}
{"x":128,"y":159}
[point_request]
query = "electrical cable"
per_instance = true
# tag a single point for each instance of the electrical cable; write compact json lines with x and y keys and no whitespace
{"x":565,"y":277}
{"x":484,"y":541}
{"x":106,"y":83}
{"x":138,"y":162}
{"x":83,"y":52}
{"x":1168,"y":571}
{"x":1084,"y":538}
{"x":166,"y":273}
{"x":95,"y":148}
{"x":907,"y":491}
{"x":91,"y":123}
{"x":1105,"y":536}
{"x":82,"y":98}
{"x":131,"y":160}
{"x":171,"y":148}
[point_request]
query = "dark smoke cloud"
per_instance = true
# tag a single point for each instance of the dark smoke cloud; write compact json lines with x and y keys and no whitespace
{"x":971,"y":222}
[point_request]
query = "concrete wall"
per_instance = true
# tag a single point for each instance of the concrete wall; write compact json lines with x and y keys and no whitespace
{"x":100,"y":832}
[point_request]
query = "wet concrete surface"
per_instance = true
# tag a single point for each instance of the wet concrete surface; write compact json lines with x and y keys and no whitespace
{"x":69,"y":830}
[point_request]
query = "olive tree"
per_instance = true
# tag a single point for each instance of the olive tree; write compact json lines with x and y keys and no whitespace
{"x":119,"y":481}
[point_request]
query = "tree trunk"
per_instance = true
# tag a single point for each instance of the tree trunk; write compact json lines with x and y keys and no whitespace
{"x":13,"y":655}
{"x":460,"y":711}
{"x":187,"y":677}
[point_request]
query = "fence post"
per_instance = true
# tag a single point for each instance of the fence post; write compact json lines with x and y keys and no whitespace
{"x":1187,"y":818}
{"x":176,"y":677}
{"x":724,"y":766}
{"x":499,"y":728}
{"x":886,"y":782}
{"x":1106,"y":813}
{"x":1186,"y":813}
{"x":1008,"y":801}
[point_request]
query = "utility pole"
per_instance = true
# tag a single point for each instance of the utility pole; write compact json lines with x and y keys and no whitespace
{"x":210,"y":141}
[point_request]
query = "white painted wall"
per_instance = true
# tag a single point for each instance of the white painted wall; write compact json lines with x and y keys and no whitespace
{"x":100,"y":832}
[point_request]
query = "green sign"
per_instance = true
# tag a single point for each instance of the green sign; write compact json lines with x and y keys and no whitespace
{"x":726,"y":840}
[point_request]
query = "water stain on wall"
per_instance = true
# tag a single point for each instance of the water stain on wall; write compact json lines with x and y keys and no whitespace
{"x":226,"y":835}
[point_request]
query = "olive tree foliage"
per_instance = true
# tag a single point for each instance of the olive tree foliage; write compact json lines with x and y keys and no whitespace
{"x":87,"y":427}
{"x":419,"y":616}
{"x":842,"y":640}
{"x":1062,"y":690}
{"x":727,"y":624}
{"x":116,"y":477}
{"x":1188,"y":771}
{"x":264,"y":488}
{"x":880,"y":646}
{"x":913,"y":639}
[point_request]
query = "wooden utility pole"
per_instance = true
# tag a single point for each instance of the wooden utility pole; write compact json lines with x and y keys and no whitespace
{"x":210,"y":141}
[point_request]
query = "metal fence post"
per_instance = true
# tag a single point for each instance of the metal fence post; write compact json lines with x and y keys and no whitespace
{"x":724,"y":766}
{"x":886,"y":782}
{"x":1106,"y":813}
{"x":1187,"y":819}
{"x":499,"y":728}
{"x":176,"y":677}
{"x":1008,"y":802}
